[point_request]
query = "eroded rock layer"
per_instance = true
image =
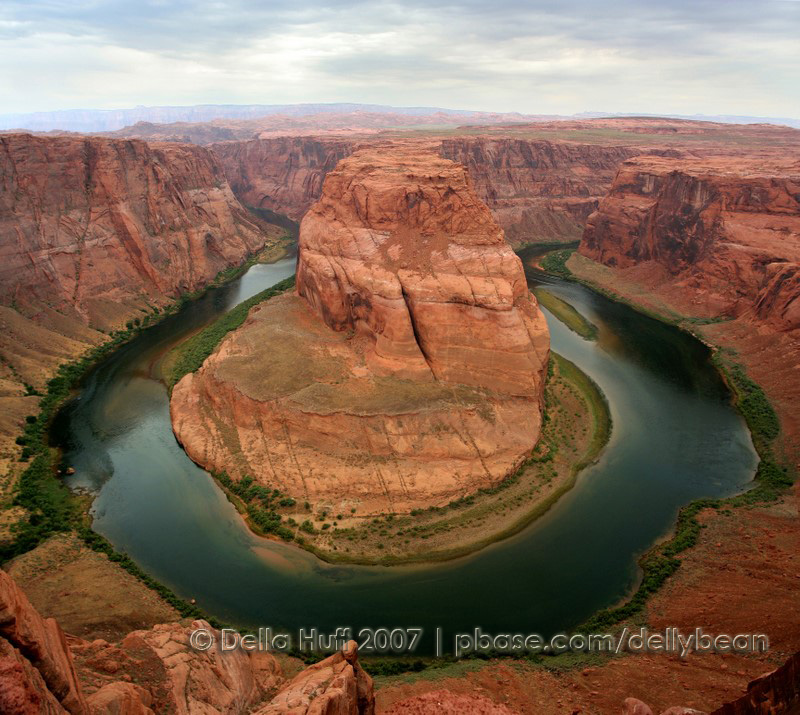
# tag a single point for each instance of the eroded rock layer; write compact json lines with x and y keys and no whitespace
{"x":93,"y":226}
{"x":406,"y":372}
{"x":725,"y":232}
{"x":537,"y":190}
{"x":43,"y":670}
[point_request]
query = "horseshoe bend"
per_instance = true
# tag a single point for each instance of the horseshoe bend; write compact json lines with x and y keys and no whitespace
{"x":406,"y":369}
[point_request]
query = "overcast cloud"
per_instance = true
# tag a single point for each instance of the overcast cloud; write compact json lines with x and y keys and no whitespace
{"x":698,"y":56}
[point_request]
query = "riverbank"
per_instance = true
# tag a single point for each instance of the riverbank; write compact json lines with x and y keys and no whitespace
{"x":773,"y":477}
{"x":45,"y":510}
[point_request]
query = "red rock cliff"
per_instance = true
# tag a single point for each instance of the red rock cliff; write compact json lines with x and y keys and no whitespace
{"x":726,"y":231}
{"x":538,"y":190}
{"x":408,"y":371}
{"x":89,"y":224}
{"x":283,"y":174}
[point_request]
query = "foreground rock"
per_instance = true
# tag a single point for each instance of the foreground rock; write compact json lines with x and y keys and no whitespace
{"x":157,"y":671}
{"x":409,"y":369}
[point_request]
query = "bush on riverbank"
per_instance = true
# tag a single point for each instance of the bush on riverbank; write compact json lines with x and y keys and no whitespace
{"x":555,"y":262}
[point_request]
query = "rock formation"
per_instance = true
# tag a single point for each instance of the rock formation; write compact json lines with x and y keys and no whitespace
{"x":409,"y":368}
{"x":157,"y":671}
{"x":722,"y":234}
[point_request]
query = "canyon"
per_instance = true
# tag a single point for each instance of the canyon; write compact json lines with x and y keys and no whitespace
{"x":696,"y":222}
{"x":715,"y":241}
{"x":538,"y":190}
{"x":424,"y":352}
{"x":541,"y":180}
{"x":96,"y":233}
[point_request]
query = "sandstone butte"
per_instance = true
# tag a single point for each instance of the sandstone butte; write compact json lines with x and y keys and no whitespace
{"x":408,"y":368}
{"x":93,"y":233}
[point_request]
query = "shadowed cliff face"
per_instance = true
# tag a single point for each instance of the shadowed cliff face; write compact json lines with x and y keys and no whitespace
{"x":537,"y":190}
{"x":284,"y":174}
{"x":98,"y":226}
{"x":725,"y":230}
{"x":423,"y":353}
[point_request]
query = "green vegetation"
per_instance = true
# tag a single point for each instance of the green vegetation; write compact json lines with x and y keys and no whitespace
{"x":555,"y":262}
{"x":261,"y":505}
{"x":566,"y":314}
{"x":191,"y":354}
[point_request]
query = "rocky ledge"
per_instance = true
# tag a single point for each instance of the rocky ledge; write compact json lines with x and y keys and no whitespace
{"x":407,"y":370}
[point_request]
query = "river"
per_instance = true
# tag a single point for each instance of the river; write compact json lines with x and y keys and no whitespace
{"x":675,"y":438}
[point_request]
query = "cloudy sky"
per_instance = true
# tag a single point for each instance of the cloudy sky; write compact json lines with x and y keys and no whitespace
{"x":535,"y":56}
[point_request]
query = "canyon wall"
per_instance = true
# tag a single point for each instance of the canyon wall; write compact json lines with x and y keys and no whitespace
{"x":715,"y":240}
{"x":283,"y":174}
{"x":94,"y":233}
{"x":423,"y":352}
{"x":725,"y":232}
{"x":538,"y":190}
{"x":97,"y":226}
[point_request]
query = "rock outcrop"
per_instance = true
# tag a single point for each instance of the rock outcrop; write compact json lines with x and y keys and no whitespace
{"x":157,"y":671}
{"x":337,"y":684}
{"x":423,"y":353}
{"x":30,"y":643}
{"x":720,"y":236}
